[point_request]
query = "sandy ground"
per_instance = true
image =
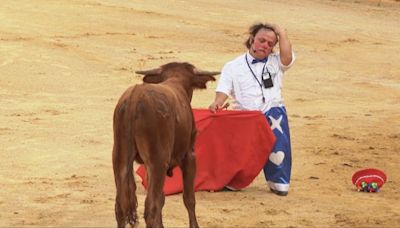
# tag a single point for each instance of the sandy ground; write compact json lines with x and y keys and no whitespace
{"x":64,"y":64}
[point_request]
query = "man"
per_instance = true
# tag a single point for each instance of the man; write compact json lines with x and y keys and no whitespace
{"x":254,"y":81}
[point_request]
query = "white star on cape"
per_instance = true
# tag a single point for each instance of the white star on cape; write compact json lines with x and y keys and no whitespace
{"x":276,"y":124}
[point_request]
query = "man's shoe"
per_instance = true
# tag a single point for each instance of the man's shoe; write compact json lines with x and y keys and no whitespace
{"x":229,"y":189}
{"x":279,"y":193}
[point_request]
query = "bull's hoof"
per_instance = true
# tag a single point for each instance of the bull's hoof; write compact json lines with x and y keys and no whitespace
{"x":133,"y":220}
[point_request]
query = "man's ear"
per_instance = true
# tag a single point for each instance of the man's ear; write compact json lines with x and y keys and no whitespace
{"x":251,"y":40}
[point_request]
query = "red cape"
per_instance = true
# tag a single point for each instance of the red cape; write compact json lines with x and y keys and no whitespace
{"x":231,"y":149}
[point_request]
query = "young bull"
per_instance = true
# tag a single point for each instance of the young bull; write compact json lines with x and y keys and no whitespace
{"x":154,"y":126}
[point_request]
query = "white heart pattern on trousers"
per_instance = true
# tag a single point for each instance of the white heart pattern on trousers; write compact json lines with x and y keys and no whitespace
{"x":277,"y":157}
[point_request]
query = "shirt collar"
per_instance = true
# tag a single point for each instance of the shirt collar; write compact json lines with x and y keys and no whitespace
{"x":250,"y":58}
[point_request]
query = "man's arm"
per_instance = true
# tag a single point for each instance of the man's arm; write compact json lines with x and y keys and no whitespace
{"x":285,"y":48}
{"x":219,"y":101}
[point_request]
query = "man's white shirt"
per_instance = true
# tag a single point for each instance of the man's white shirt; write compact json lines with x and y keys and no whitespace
{"x":238,"y":81}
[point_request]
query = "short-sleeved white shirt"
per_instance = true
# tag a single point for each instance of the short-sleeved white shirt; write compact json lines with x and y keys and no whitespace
{"x":237,"y":81}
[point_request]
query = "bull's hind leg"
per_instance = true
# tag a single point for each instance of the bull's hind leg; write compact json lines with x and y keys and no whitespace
{"x":155,"y":198}
{"x":125,"y":201}
{"x":188,"y":168}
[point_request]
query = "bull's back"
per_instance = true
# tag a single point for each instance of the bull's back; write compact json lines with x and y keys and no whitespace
{"x":154,"y":117}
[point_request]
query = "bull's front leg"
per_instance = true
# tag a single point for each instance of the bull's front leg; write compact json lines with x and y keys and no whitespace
{"x":188,"y":168}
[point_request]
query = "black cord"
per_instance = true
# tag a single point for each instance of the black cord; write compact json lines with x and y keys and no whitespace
{"x":254,"y":75}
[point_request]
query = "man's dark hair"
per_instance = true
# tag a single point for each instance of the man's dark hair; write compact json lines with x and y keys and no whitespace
{"x":253,"y":30}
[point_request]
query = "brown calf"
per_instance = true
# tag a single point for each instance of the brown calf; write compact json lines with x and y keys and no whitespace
{"x":154,"y":126}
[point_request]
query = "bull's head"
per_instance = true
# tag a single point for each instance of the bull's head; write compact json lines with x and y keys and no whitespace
{"x":186,"y":71}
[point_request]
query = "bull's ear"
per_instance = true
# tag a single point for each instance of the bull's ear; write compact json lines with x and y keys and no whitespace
{"x":151,"y":76}
{"x":202,"y":77}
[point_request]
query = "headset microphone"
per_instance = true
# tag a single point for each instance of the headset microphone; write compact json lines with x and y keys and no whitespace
{"x":251,"y":43}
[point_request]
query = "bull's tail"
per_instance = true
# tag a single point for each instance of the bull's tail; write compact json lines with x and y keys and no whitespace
{"x":123,"y":156}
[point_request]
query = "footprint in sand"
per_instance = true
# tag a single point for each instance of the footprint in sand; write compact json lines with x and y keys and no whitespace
{"x":314,"y":117}
{"x":54,"y":112}
{"x":87,"y":201}
{"x":343,"y":220}
{"x":350,"y":40}
{"x":4,"y":130}
{"x":52,"y":198}
{"x":343,"y":137}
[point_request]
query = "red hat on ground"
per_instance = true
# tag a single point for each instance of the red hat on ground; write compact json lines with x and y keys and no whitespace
{"x":369,"y":176}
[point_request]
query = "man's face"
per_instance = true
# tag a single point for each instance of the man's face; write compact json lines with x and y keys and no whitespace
{"x":264,"y":42}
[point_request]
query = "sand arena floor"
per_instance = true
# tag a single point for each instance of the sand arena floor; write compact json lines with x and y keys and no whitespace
{"x":64,"y":64}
